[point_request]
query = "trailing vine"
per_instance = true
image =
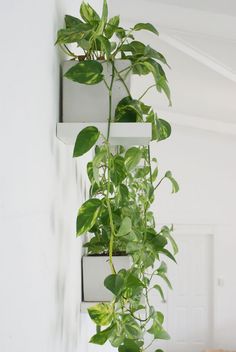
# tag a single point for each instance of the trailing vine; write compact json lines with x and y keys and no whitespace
{"x":123,"y":182}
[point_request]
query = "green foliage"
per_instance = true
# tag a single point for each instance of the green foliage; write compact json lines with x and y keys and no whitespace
{"x":85,"y":140}
{"x":86,"y":72}
{"x":87,"y":215}
{"x":123,"y":181}
{"x":101,"y":313}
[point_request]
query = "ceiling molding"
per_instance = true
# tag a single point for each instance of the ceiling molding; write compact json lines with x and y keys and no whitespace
{"x":198,"y":56}
{"x":179,"y":119}
{"x":185,"y":19}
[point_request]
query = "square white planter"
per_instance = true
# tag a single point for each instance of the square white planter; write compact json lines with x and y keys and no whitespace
{"x":90,"y":103}
{"x":95,"y":270}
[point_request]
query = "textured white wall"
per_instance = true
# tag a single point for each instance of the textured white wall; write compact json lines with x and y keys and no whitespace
{"x":39,"y":254}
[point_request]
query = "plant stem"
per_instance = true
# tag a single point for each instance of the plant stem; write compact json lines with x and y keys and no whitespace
{"x":108,"y":173}
{"x":154,"y":85}
{"x":122,"y":80}
{"x":159,"y":182}
{"x":110,"y":99}
{"x":149,"y":163}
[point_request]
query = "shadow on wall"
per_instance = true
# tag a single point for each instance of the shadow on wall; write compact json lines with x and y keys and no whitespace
{"x":70,"y":193}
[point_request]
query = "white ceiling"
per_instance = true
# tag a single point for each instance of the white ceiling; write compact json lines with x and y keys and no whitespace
{"x":198,"y":37}
{"x":227,"y":7}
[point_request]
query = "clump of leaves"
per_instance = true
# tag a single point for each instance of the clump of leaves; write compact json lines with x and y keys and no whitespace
{"x":123,"y":184}
{"x":92,"y":38}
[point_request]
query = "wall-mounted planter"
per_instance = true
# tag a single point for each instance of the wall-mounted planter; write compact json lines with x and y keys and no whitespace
{"x":89,"y":103}
{"x":95,"y":270}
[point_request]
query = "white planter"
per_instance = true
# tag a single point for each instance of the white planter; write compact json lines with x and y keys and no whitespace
{"x":95,"y":270}
{"x":90,"y":103}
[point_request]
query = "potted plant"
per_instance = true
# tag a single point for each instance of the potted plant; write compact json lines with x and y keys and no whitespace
{"x":123,"y":181}
{"x":103,"y":55}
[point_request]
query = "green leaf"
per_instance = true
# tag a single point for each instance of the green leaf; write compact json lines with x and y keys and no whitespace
{"x":152,"y":53}
{"x":85,"y":140}
{"x":125,"y":227}
{"x":166,"y":232}
{"x":162,"y":268}
{"x":86,"y":72}
{"x":157,"y":329}
{"x":163,"y":85}
{"x":165,"y":278}
{"x":129,"y":346}
{"x":163,"y":129}
{"x":131,"y":327}
{"x":101,"y":337}
{"x":133,"y":282}
{"x":72,"y":34}
{"x":168,"y":254}
{"x":112,"y":26}
{"x":146,"y":26}
{"x":99,"y":157}
{"x":114,"y":283}
{"x":104,"y":11}
{"x":105,"y":45}
{"x":132,"y":158}
{"x":159,"y":289}
{"x":175,"y":186}
{"x":118,"y":171}
{"x":101,"y":313}
{"x":135,"y":47}
{"x":128,"y":110}
{"x":72,"y":21}
{"x":87,"y":215}
{"x":88,"y":14}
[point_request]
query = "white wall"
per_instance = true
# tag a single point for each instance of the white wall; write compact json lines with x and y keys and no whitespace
{"x":39,"y":254}
{"x":204,"y":164}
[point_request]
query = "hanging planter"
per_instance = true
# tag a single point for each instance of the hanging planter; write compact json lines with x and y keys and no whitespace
{"x":89,"y":103}
{"x":95,"y":269}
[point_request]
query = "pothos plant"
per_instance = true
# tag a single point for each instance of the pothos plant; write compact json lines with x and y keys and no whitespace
{"x":123,"y":181}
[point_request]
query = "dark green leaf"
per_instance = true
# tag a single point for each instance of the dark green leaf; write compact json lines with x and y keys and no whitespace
{"x":105,"y":45}
{"x":101,"y":337}
{"x":101,"y":313}
{"x":135,"y":47}
{"x":168,"y":254}
{"x":146,"y":26}
{"x":87,"y":215}
{"x":85,"y":140}
{"x":114,"y":283}
{"x":163,"y":129}
{"x":72,"y":21}
{"x":125,"y":227}
{"x":133,"y":282}
{"x":129,"y":346}
{"x":175,"y":186}
{"x":159,"y":289}
{"x":152,"y":53}
{"x":128,"y":110}
{"x":118,"y":171}
{"x":132,"y":158}
{"x":112,"y":26}
{"x":86,"y":72}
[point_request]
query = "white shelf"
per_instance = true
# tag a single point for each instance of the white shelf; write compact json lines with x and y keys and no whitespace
{"x":120,"y":133}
